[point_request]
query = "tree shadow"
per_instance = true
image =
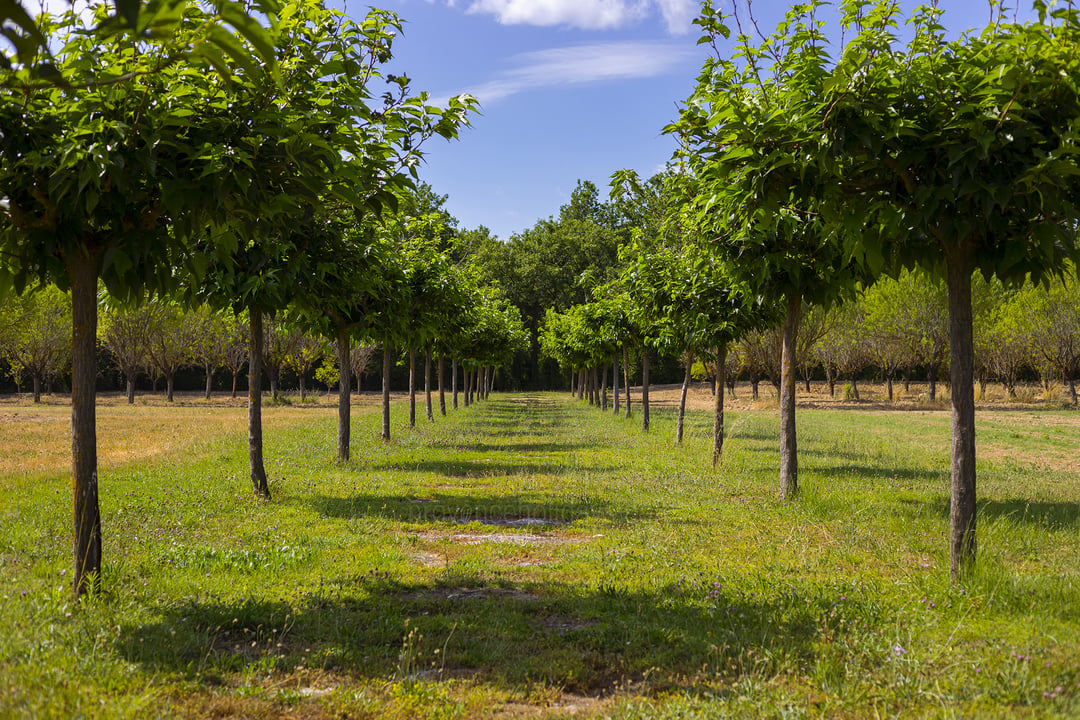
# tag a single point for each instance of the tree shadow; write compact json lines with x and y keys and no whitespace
{"x":523,"y":447}
{"x":582,"y":639}
{"x":505,"y":510}
{"x":486,"y":467}
{"x":1056,"y":516}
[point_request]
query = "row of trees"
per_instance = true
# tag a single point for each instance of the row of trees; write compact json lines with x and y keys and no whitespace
{"x":811,"y":167}
{"x":267,"y":172}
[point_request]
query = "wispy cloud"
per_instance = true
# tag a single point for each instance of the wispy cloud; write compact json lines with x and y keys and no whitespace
{"x":587,"y":14}
{"x":580,"y":65}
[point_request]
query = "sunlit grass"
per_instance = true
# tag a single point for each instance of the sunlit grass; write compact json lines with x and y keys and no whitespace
{"x":529,"y":555}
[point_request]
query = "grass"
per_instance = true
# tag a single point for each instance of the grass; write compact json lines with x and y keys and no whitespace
{"x":528,"y":557}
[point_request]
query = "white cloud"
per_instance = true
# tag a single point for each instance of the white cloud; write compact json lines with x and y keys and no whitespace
{"x":579,"y":65}
{"x":587,"y":14}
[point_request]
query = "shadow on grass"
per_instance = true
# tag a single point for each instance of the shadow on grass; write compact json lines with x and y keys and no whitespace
{"x":582,"y":639}
{"x":489,"y":467}
{"x":1056,"y":516}
{"x":506,"y":510}
{"x":520,"y":447}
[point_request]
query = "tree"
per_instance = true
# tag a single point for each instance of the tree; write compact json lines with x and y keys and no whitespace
{"x":170,"y":340}
{"x":1053,"y":317}
{"x":978,"y":174}
{"x":749,"y":134}
{"x":124,"y":332}
{"x":38,"y":340}
{"x":82,"y":175}
{"x":305,"y":351}
{"x":211,"y":338}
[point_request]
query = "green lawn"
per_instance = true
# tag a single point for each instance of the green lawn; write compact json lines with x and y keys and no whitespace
{"x":528,"y":556}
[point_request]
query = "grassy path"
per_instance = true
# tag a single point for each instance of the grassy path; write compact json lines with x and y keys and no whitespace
{"x":529,"y":557}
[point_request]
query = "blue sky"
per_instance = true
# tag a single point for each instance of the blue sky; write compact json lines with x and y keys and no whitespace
{"x":570,"y":89}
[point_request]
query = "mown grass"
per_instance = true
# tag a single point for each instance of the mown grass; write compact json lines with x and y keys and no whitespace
{"x":529,"y":556}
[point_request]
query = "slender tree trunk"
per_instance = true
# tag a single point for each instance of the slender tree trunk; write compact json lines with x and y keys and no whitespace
{"x":931,"y":373}
{"x":1072,"y":390}
{"x":209,"y":378}
{"x":464,"y":386}
{"x":170,"y":384}
{"x":412,"y":387}
{"x":581,"y":384}
{"x":274,"y":387}
{"x":626,"y":375}
{"x":235,"y":374}
{"x":854,"y":388}
{"x":37,"y":388}
{"x":442,"y":388}
{"x":573,"y":383}
{"x":491,"y":382}
{"x":344,"y":408}
{"x":962,"y":544}
{"x":386,"y":392}
{"x":789,"y":457}
{"x":888,"y":386}
{"x":730,"y":380}
{"x":255,"y":433}
{"x":755,"y":390}
{"x":603,"y":388}
{"x":131,"y":388}
{"x":682,"y":402}
{"x":427,"y":385}
{"x":303,"y":388}
{"x":453,"y":379}
{"x":806,"y":381}
{"x":644,"y":389}
{"x":82,"y":274}
{"x":718,"y":409}
{"x":615,"y":385}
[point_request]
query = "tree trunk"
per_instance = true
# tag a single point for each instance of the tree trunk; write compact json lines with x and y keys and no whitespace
{"x":931,"y":376}
{"x":209,"y":379}
{"x":581,"y":384}
{"x":718,"y":410}
{"x":854,"y":388}
{"x":453,"y":379}
{"x":755,"y":391}
{"x":255,"y":433}
{"x":603,"y":389}
{"x":615,"y":386}
{"x":386,"y":392}
{"x":274,"y":387}
{"x":344,"y":409}
{"x":303,"y":388}
{"x":888,"y":385}
{"x":806,"y":380}
{"x":789,"y":458}
{"x":730,"y":380}
{"x":442,"y":388}
{"x":644,"y":389}
{"x":1072,"y":390}
{"x":235,"y":373}
{"x":626,"y":376}
{"x":170,"y":384}
{"x":131,"y":388}
{"x":82,"y":274}
{"x":427,"y":385}
{"x":962,"y":501}
{"x":412,"y":387}
{"x":682,"y":403}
